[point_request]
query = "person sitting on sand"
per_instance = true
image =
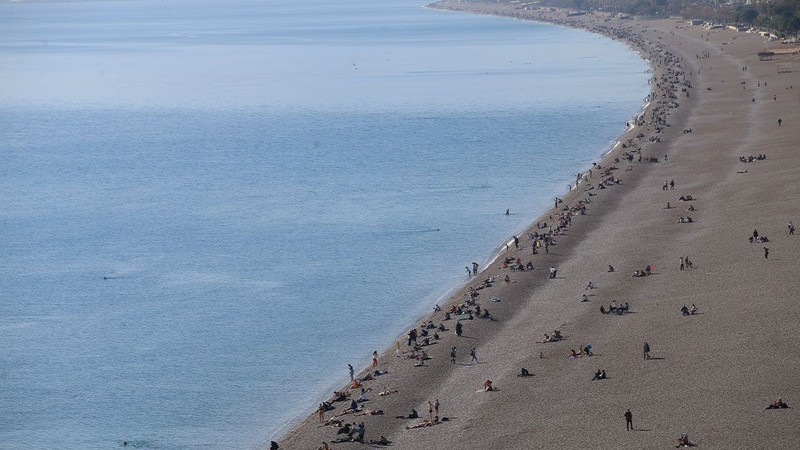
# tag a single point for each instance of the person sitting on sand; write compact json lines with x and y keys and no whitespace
{"x":683,"y":441}
{"x":610,"y":268}
{"x":344,"y":429}
{"x":685,"y":310}
{"x":599,"y":375}
{"x":690,"y":208}
{"x":693,"y":310}
{"x":572,"y":354}
{"x":338,"y":396}
{"x":487,"y":386}
{"x":602,"y":309}
{"x":557,"y":335}
{"x":546,"y":339}
{"x":412,"y":415}
{"x":584,"y":298}
{"x":524,"y":373}
{"x":354,"y":407}
{"x":324,"y":446}
{"x":778,"y":404}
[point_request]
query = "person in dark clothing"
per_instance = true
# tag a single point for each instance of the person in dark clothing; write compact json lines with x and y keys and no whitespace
{"x":628,"y":420}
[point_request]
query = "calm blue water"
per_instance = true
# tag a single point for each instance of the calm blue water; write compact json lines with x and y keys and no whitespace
{"x":200,"y":200}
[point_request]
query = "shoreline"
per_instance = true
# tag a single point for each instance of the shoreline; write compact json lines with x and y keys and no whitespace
{"x":511,"y":322}
{"x":492,"y":257}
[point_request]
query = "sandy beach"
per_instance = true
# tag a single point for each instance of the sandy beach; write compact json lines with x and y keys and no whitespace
{"x":710,"y":374}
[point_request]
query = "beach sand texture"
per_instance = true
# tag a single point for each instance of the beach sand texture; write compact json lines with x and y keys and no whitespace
{"x":711,"y":375}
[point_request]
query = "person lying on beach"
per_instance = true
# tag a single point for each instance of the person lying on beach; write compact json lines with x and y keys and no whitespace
{"x":686,"y":198}
{"x":387,"y":392}
{"x":381,"y":441}
{"x":413,"y":415}
{"x":424,"y":423}
{"x":326,"y":406}
{"x":778,"y":404}
{"x":338,"y":423}
{"x":324,"y":446}
{"x":370,"y":412}
{"x":524,"y":373}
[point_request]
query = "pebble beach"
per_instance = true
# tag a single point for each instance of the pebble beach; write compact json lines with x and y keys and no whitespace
{"x":708,"y":172}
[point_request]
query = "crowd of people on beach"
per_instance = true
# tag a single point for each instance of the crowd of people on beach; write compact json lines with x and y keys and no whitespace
{"x":670,"y":82}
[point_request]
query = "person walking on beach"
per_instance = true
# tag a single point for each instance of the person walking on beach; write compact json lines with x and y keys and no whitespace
{"x":430,"y":411}
{"x":350,"y":368}
{"x":474,"y":268}
{"x":552,"y":272}
{"x":453,"y":355}
{"x":459,"y":329}
{"x":646,"y":350}
{"x":469,"y":274}
{"x":474,"y":356}
{"x":791,"y":228}
{"x":436,"y":408}
{"x":681,"y":262}
{"x":766,"y":253}
{"x":374,"y":358}
{"x":628,"y":420}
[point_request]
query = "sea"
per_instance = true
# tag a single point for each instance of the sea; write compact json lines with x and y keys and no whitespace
{"x":208,"y":208}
